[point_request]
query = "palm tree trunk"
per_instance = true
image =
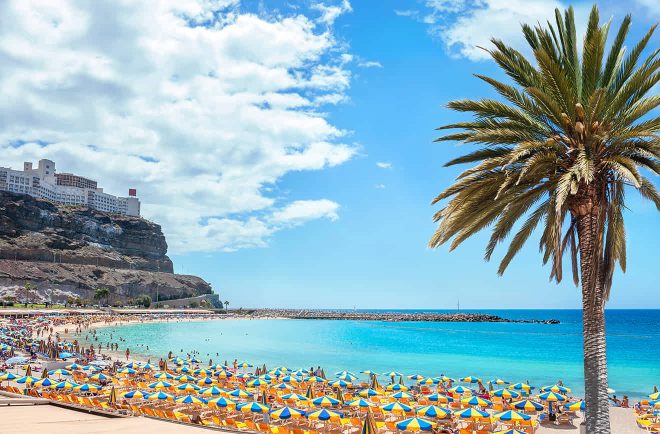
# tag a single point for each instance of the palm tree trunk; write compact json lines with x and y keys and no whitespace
{"x":590,"y":234}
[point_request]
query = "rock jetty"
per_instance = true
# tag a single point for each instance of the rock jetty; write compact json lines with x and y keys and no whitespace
{"x":384,"y":316}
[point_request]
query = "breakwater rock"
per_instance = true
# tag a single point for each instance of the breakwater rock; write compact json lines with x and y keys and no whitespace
{"x":384,"y":316}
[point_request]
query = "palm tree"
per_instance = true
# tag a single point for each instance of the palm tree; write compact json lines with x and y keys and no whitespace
{"x":559,"y":149}
{"x":226,"y":306}
{"x":101,"y":294}
{"x":28,"y":290}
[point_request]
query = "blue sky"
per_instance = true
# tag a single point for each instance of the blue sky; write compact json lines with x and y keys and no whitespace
{"x":286,"y":147}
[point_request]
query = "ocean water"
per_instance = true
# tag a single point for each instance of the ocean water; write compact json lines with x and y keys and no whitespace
{"x":540,"y":353}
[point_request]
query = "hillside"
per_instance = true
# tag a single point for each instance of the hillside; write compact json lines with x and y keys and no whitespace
{"x":71,"y":251}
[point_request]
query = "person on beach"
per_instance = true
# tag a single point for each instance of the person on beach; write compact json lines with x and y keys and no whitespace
{"x":624,"y":402}
{"x":128,"y":353}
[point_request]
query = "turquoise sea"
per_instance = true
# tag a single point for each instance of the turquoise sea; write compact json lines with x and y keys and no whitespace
{"x":539,"y":353}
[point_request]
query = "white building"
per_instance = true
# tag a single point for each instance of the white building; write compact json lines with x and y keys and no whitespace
{"x":65,"y":188}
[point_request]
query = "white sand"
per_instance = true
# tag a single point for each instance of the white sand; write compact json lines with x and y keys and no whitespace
{"x":55,"y":420}
{"x":622,"y":421}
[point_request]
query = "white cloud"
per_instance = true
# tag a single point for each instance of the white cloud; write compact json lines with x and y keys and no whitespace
{"x":300,"y":211}
{"x":384,"y":165}
{"x":380,"y":186}
{"x":406,"y":12}
{"x":651,"y":6}
{"x":465,"y":25}
{"x":200,"y":106}
{"x":329,"y":13}
{"x":369,"y":64}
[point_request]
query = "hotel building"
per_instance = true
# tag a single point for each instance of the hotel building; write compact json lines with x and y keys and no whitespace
{"x":65,"y":188}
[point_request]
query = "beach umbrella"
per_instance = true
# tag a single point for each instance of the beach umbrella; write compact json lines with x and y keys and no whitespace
{"x":209,"y":391}
{"x":148,"y":367}
{"x":325,"y":401}
{"x":87,"y":387}
{"x":396,"y":407}
{"x":459,"y":390}
{"x":126,"y":371}
{"x":216,"y":367}
{"x":367,"y":393}
{"x":286,"y":413}
{"x":428,"y":380}
{"x":100,"y":377}
{"x":134,"y":394}
{"x":183,"y":370}
{"x":434,"y":411}
{"x":339,"y":395}
{"x":253,"y":407}
{"x":283,"y":386}
{"x":527,"y":405}
{"x":506,"y":393}
{"x":475,"y":400}
{"x":401,"y":395}
{"x":315,"y":379}
{"x":289,"y":379}
{"x":27,"y":379}
{"x":295,"y":397}
{"x":276,"y":372}
{"x":241,"y":375}
{"x":240,"y":393}
{"x":258,"y":382}
{"x":221,"y":402}
{"x":654,"y":396}
{"x":7,"y":376}
{"x":415,"y":424}
{"x":59,"y":372}
{"x":511,"y":416}
{"x":498,"y":381}
{"x":112,"y":398}
{"x":194,"y":360}
{"x":438,"y":397}
{"x":206,"y":381}
{"x":160,"y":396}
{"x":552,"y":397}
{"x":374,"y":383}
{"x":521,"y":386}
{"x":471,"y":380}
{"x":185,"y":378}
{"x":369,"y":425}
{"x":416,"y":377}
{"x":190,"y":399}
{"x":392,"y":374}
{"x":556,"y":388}
{"x":471,"y":413}
{"x":324,"y":414}
{"x":188,"y":387}
{"x":202,"y":372}
{"x":134,"y":365}
{"x":226,"y":374}
{"x":347,"y":376}
{"x":267,"y":377}
{"x":360,"y":403}
{"x":397,"y":387}
{"x":369,"y":373}
{"x":160,"y":385}
{"x":44,"y":382}
{"x":339,"y":383}
{"x":91,"y":368}
{"x":64,"y":385}
{"x":246,"y":365}
{"x":655,"y":403}
{"x":575,"y":406}
{"x":163,"y":376}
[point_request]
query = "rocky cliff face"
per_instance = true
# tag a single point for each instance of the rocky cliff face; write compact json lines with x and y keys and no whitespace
{"x":36,"y":230}
{"x":73,"y":250}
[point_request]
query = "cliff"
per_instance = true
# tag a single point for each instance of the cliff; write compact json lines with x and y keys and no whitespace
{"x":71,"y":251}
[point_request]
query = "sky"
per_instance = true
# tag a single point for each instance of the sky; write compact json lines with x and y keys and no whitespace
{"x":286,"y":147}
